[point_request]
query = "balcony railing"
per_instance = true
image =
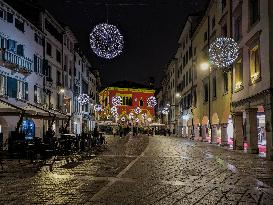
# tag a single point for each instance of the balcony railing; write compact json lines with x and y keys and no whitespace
{"x":16,"y":62}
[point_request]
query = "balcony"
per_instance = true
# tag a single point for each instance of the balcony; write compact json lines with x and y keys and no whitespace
{"x":15,"y":62}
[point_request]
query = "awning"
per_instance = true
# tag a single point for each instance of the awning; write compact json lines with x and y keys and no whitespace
{"x":33,"y":111}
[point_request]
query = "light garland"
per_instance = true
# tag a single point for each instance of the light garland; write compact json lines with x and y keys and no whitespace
{"x":98,"y":108}
{"x":223,"y":52}
{"x":151,"y":101}
{"x":83,"y":99}
{"x":106,"y":41}
{"x":144,"y":115}
{"x":138,"y":110}
{"x":123,"y":119}
{"x":149,"y":119}
{"x":116,"y":100}
{"x":137,"y":120}
{"x":114,"y":110}
{"x":131,"y":116}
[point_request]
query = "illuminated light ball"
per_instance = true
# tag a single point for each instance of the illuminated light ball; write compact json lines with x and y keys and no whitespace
{"x":116,"y":100}
{"x":223,"y":52}
{"x":114,"y":110}
{"x":123,"y":119}
{"x":106,"y":41}
{"x":83,"y":99}
{"x":131,"y":116}
{"x":98,"y":108}
{"x":137,"y":120}
{"x":144,"y":115}
{"x":151,"y":101}
{"x":149,"y":119}
{"x":165,"y":111}
{"x":138,"y":110}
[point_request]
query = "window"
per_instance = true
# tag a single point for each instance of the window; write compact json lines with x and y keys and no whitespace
{"x":1,"y":14}
{"x":205,"y":36}
{"x":206,"y":92}
{"x":48,"y":49}
{"x":213,"y":23}
{"x":12,"y":45}
{"x":9,"y":17}
{"x":238,"y":28}
{"x":224,"y":4}
{"x":225,"y":77}
{"x":190,"y":52}
{"x":214,"y":89}
{"x":12,"y":87}
{"x":20,"y":50}
{"x":48,"y":73}
{"x":187,"y":77}
{"x":255,"y":63}
{"x":38,"y":39}
{"x":58,"y":78}
{"x":38,"y":94}
{"x":224,"y":30}
{"x":190,"y":75}
{"x":19,"y":25}
{"x":141,"y":103}
{"x":254,"y":11}
{"x":238,"y":74}
{"x":2,"y":85}
{"x":58,"y":56}
{"x":38,"y":64}
{"x":194,"y":97}
{"x":22,"y":90}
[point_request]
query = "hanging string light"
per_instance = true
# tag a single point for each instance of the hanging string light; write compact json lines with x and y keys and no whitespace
{"x":223,"y":52}
{"x":137,"y":120}
{"x":138,"y":110}
{"x":151,"y":101}
{"x":116,"y":100}
{"x":106,"y":41}
{"x":83,"y":99}
{"x":98,"y":108}
{"x":144,"y":115}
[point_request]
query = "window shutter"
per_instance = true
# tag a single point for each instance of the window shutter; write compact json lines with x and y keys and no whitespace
{"x":12,"y":87}
{"x":26,"y":91}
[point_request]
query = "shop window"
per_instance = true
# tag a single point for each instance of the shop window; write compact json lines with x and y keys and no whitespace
{"x":255,"y":68}
{"x":28,"y":127}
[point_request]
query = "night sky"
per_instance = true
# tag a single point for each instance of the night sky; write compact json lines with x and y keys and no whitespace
{"x":151,"y":29}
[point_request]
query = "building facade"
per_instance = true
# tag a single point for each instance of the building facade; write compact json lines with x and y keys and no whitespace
{"x":133,"y":109}
{"x":228,"y":106}
{"x":42,"y":74}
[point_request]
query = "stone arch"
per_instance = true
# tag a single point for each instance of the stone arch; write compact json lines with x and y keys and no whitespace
{"x":196,"y":121}
{"x":225,"y":117}
{"x":215,"y":119}
{"x":205,"y":120}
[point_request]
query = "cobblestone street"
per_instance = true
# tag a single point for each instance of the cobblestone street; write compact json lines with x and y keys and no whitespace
{"x":142,"y":170}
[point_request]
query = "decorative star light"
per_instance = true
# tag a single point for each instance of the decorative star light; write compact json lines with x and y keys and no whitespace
{"x":149,"y":119}
{"x":83,"y":99}
{"x":151,"y":101}
{"x":138,"y":110}
{"x":106,"y":41}
{"x":223,"y":52}
{"x":137,"y":120}
{"x":98,"y":108}
{"x":116,"y":100}
{"x":123,"y":119}
{"x":144,"y":115}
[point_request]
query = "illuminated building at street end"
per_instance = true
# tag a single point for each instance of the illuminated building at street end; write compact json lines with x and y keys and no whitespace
{"x":127,"y":104}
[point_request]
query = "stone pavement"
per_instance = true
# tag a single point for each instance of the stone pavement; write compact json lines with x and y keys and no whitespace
{"x":142,"y":170}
